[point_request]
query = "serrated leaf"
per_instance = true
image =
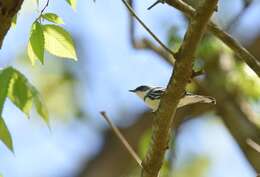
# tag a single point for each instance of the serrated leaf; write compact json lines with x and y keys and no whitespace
{"x":72,"y":3}
{"x":19,"y":93}
{"x":59,"y":42}
{"x":35,"y":48}
{"x":51,"y":17}
{"x":5,"y":77}
{"x":5,"y":135}
{"x":15,"y":85}
{"x":23,"y":95}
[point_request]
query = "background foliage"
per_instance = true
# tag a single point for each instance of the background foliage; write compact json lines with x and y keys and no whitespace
{"x":68,"y":95}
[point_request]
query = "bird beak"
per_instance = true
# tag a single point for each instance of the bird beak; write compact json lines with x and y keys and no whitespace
{"x":131,"y":90}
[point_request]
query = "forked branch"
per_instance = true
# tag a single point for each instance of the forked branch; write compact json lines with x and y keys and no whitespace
{"x":147,"y":28}
{"x":237,"y":48}
{"x":175,"y":89}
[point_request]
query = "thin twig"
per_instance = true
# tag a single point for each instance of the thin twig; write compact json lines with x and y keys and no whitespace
{"x":43,"y":9}
{"x":253,"y":144}
{"x":147,"y":28}
{"x":154,"y":4}
{"x":46,"y":5}
{"x":238,"y":49}
{"x":146,"y":43}
{"x":122,"y":139}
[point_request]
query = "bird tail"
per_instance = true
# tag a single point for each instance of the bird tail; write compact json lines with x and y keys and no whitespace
{"x":192,"y":99}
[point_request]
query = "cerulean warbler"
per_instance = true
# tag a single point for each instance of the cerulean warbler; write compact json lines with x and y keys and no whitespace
{"x":152,"y":95}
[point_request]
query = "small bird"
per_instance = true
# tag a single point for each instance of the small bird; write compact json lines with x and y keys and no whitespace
{"x":152,"y":95}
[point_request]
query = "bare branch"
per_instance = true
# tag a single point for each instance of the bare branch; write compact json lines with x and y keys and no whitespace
{"x":154,"y":4}
{"x":147,"y":28}
{"x":175,"y":89}
{"x":238,"y":117}
{"x":122,"y":139}
{"x":146,"y":43}
{"x":238,"y":49}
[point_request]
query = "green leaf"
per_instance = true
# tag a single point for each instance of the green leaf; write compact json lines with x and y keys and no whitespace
{"x":19,"y":92}
{"x":72,"y":3}
{"x":35,"y":48}
{"x":15,"y":85}
{"x":5,"y":135}
{"x":53,"y":18}
{"x":5,"y":77}
{"x":39,"y":105}
{"x":23,"y":94}
{"x":59,"y":42}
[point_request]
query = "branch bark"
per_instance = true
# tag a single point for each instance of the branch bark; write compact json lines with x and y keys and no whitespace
{"x":175,"y":90}
{"x":238,"y":49}
{"x":162,"y":51}
{"x":8,"y":9}
{"x":113,"y":150}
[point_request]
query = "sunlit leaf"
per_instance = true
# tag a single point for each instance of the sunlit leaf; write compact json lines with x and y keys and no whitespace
{"x":5,"y":77}
{"x":15,"y":85}
{"x":72,"y":3}
{"x":36,"y":43}
{"x":51,"y":17}
{"x":59,"y":42}
{"x":5,"y":135}
{"x":19,"y":92}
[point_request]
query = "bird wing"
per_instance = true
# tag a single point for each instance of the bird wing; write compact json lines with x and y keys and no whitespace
{"x":155,"y":93}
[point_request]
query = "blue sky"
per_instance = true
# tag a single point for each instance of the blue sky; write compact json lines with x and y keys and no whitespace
{"x":112,"y":68}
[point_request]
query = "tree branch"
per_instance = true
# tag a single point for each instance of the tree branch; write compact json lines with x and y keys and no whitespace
{"x":113,"y":151}
{"x":122,"y":139}
{"x":128,"y":6}
{"x":175,"y":90}
{"x":238,"y":49}
{"x":8,"y":9}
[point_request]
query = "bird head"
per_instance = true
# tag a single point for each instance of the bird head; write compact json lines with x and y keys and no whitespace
{"x":141,"y":90}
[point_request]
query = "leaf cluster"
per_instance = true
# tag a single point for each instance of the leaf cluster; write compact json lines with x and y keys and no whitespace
{"x":15,"y":87}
